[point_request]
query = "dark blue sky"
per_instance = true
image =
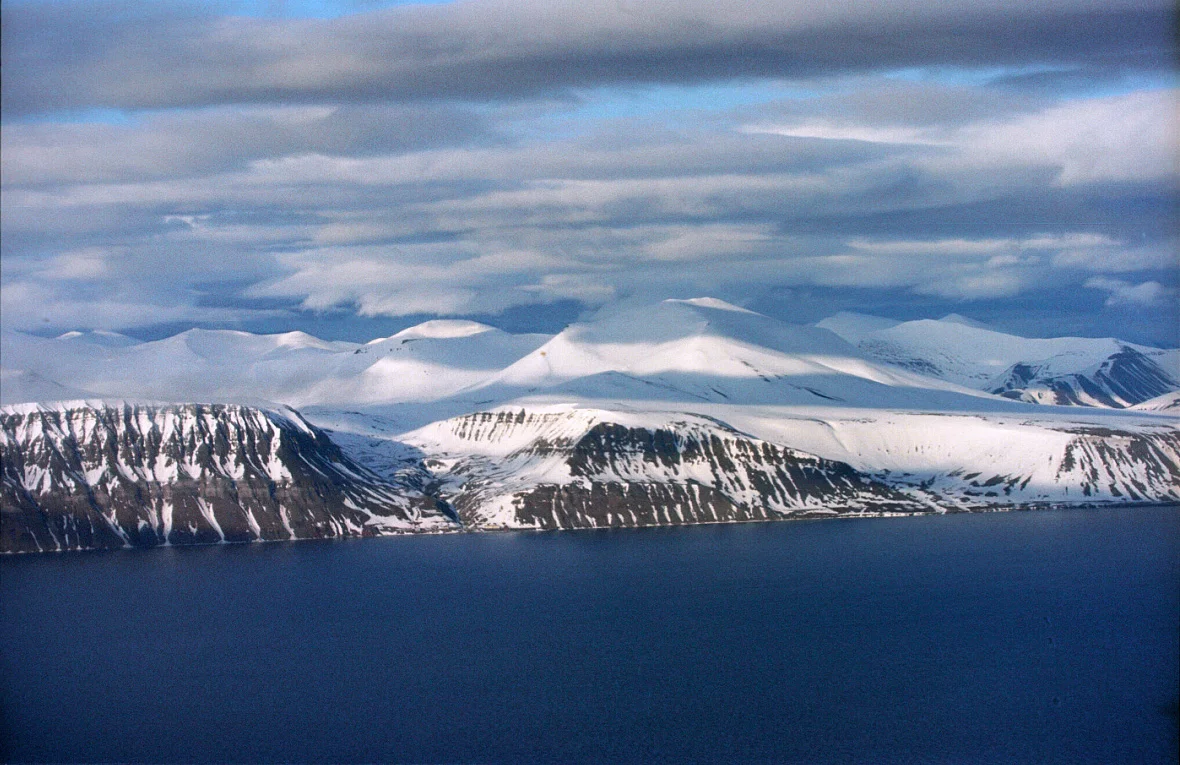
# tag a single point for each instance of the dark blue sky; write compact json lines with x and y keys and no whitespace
{"x":349,"y":168}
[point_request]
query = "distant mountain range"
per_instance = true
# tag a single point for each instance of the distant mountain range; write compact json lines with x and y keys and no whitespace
{"x":719,"y":346}
{"x":686,"y":411}
{"x":1064,"y":370}
{"x":420,"y":363}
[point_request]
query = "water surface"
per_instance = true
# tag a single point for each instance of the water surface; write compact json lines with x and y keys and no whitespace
{"x":1040,"y":637}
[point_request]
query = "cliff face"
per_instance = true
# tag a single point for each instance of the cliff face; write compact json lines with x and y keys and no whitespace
{"x":582,"y":470}
{"x":99,"y":476}
{"x":1136,"y":466}
{"x":109,"y":476}
{"x":585,"y":468}
{"x":628,"y":476}
{"x":1124,"y":379}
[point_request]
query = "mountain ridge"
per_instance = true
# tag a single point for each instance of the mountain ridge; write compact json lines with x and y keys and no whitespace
{"x":444,"y":357}
{"x":1069,"y":371}
{"x":685,"y":411}
{"x":103,"y":475}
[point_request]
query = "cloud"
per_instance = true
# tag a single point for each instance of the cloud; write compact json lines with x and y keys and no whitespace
{"x":479,"y":156}
{"x":712,"y":242}
{"x":1119,"y":138}
{"x":612,"y":212}
{"x":958,"y":268}
{"x":896,"y":102}
{"x":831,"y":131}
{"x":1143,"y":295}
{"x":40,"y":305}
{"x":597,"y":264}
{"x":176,"y":144}
{"x":86,"y":264}
{"x":411,"y":279}
{"x":1112,"y":256}
{"x":133,"y":55}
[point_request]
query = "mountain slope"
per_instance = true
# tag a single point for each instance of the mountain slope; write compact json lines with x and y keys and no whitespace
{"x":582,"y":468}
{"x":853,"y":326}
{"x":542,"y":465}
{"x":1061,"y":371}
{"x":426,"y":362}
{"x":686,"y":411}
{"x":707,"y":351}
{"x":82,"y":476}
{"x":978,"y":461}
{"x":1124,"y":378}
{"x":701,"y":350}
{"x":1168,"y":402}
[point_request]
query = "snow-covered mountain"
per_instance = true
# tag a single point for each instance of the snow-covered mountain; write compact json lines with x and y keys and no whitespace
{"x":536,"y":464}
{"x":422,"y":363}
{"x":685,"y":411}
{"x":556,"y":467}
{"x":695,"y":350}
{"x":646,"y":390}
{"x":707,"y":351}
{"x":1064,"y":371}
{"x":22,"y":385}
{"x":84,"y":475}
{"x":1168,"y":402}
{"x":98,"y":337}
{"x":854,"y":327}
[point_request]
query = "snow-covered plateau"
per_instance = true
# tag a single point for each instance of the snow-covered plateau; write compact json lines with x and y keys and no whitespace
{"x":686,"y":411}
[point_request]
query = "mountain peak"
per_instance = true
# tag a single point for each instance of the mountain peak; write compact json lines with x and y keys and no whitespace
{"x":854,"y":327}
{"x":99,"y":337}
{"x":444,"y":328}
{"x":711,"y":302}
{"x":955,"y":318}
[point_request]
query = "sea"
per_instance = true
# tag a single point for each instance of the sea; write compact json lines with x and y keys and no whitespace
{"x":1041,"y":637}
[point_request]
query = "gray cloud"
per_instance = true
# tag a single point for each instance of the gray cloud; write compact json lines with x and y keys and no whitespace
{"x":171,"y":144}
{"x":77,"y":55}
{"x":900,"y":102}
{"x":285,"y":172}
{"x":470,"y":229}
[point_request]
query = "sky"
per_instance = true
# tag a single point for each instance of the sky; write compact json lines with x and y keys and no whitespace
{"x":351,"y":168}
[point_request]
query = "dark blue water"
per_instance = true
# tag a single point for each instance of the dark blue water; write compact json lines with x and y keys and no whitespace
{"x":1035,"y":637}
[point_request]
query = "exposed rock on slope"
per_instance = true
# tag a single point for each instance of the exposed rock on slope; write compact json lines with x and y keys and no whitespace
{"x":561,"y":467}
{"x":1125,"y":378}
{"x":1140,"y":466}
{"x":974,"y":462}
{"x":78,"y":476}
{"x":1070,"y":371}
{"x":1168,"y":402}
{"x":686,"y":411}
{"x":589,"y":469}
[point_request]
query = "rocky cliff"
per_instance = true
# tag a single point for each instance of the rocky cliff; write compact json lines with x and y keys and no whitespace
{"x":78,"y":476}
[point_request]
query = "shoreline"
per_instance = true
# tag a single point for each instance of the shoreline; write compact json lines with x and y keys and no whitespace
{"x":1026,"y":507}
